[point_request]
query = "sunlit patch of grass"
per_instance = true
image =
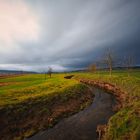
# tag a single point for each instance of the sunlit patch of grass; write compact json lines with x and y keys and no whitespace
{"x":32,"y":86}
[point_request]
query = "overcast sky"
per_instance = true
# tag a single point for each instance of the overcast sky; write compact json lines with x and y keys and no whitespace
{"x":66,"y":34}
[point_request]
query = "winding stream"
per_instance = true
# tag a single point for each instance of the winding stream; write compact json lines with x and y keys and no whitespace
{"x":82,"y":126}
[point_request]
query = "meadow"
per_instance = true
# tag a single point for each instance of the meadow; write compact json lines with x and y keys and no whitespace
{"x":30,"y":100}
{"x":17,"y":89}
{"x":125,"y":124}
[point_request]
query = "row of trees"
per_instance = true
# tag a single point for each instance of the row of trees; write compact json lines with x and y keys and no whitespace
{"x":110,"y":60}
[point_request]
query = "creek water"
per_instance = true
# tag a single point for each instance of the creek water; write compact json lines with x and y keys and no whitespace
{"x":82,"y":126}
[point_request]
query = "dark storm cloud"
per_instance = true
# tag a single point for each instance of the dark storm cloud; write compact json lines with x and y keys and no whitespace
{"x":74,"y":33}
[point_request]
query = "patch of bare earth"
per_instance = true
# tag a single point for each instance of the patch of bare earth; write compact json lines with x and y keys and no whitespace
{"x":6,"y":83}
{"x":3,"y":76}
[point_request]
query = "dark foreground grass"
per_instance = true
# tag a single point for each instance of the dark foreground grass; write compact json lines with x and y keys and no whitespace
{"x":125,"y":124}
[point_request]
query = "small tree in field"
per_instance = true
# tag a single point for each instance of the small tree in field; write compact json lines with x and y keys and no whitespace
{"x":128,"y":63}
{"x":92,"y":68}
{"x":109,"y":60}
{"x":50,"y":72}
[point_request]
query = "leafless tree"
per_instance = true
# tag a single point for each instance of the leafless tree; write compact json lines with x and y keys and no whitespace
{"x":92,"y":68}
{"x":128,"y":63}
{"x":50,"y":71}
{"x":109,"y":60}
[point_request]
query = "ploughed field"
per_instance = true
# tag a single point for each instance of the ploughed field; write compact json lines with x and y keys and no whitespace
{"x":29,"y":103}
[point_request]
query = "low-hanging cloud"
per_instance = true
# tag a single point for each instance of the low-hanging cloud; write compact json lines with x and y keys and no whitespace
{"x":66,"y":34}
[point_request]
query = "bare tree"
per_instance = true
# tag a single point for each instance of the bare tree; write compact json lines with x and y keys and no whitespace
{"x":92,"y":68}
{"x":128,"y":63}
{"x":50,"y":71}
{"x":109,"y":60}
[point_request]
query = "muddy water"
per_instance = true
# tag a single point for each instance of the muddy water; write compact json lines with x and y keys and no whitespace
{"x":82,"y":126}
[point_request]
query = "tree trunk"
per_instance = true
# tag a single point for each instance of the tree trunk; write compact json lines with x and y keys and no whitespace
{"x":110,"y":71}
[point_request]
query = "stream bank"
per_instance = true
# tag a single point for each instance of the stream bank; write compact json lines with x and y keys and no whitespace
{"x":25,"y":119}
{"x":83,"y":125}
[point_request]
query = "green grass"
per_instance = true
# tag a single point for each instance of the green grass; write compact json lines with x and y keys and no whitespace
{"x":31,"y":86}
{"x":126,"y":123}
{"x":31,"y":103}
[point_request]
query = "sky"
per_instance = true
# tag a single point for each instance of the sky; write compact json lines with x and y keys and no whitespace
{"x":66,"y":34}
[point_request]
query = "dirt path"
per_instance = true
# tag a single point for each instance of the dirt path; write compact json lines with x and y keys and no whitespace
{"x":82,"y":126}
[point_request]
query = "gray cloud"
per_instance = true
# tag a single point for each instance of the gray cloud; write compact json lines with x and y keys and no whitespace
{"x":75,"y":33}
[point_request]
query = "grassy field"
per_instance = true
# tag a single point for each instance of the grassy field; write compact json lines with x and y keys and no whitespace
{"x":31,"y":96}
{"x":29,"y":103}
{"x":125,"y":125}
{"x":18,"y":89}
